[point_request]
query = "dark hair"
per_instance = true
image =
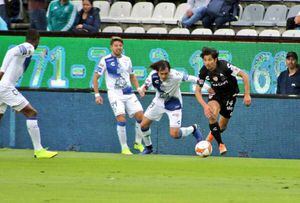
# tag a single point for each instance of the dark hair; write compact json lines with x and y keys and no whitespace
{"x":160,"y":65}
{"x":292,"y":54}
{"x":209,"y":51}
{"x":32,"y":35}
{"x":91,"y":2}
{"x":116,"y":39}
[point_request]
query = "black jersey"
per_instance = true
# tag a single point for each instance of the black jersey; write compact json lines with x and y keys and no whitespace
{"x":221,"y":79}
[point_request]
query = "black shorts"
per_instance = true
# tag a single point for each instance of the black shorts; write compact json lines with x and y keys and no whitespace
{"x":226,"y":104}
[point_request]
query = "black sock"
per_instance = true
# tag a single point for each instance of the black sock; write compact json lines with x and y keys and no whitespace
{"x":215,"y":131}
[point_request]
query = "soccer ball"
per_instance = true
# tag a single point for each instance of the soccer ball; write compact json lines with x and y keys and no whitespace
{"x":203,"y":148}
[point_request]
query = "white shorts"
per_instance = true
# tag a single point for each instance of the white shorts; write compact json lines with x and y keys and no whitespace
{"x":120,"y":104}
{"x":12,"y":97}
{"x":155,"y":112}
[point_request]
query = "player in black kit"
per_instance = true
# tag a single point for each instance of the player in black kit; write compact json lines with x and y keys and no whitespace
{"x":222,"y":77}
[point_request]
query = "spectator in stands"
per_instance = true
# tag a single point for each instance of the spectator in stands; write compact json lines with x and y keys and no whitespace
{"x":195,"y":12}
{"x":3,"y":13}
{"x":288,"y":81}
{"x":293,"y":23}
{"x":220,"y":12}
{"x":61,"y":15}
{"x":88,"y":19}
{"x":37,"y":14}
{"x":3,"y":25}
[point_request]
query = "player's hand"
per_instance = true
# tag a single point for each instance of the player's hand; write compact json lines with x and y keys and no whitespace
{"x":141,"y":92}
{"x":99,"y":100}
{"x":207,"y":111}
{"x":247,"y":99}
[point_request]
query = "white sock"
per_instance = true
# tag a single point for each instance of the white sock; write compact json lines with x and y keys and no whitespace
{"x":146,"y":137}
{"x":138,"y":133}
{"x":34,"y":132}
{"x":186,"y":131}
{"x":121,"y":130}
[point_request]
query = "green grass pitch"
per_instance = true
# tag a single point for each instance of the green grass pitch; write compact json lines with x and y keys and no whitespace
{"x":99,"y":177}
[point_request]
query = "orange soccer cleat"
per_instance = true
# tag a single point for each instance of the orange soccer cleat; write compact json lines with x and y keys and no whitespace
{"x":222,"y":149}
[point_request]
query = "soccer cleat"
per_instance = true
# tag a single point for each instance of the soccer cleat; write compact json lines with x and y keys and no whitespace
{"x":148,"y":150}
{"x":126,"y":151}
{"x":197,"y":134}
{"x":44,"y":154}
{"x":138,"y":147}
{"x":210,"y":137}
{"x":222,"y":149}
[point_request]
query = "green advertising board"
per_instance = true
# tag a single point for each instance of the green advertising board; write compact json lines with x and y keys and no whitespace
{"x":66,"y":62}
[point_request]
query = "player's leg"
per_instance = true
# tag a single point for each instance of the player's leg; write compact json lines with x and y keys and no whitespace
{"x":176,"y":131}
{"x":138,"y":133}
{"x":3,"y":107}
{"x":214,"y":125}
{"x":135,"y":109}
{"x":146,"y":132}
{"x":223,"y":125}
{"x":121,"y":131}
{"x":34,"y":132}
{"x":118,"y":107}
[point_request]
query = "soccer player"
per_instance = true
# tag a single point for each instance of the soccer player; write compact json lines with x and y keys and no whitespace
{"x":222,"y":77}
{"x":14,"y":65}
{"x":118,"y":76}
{"x":168,"y":99}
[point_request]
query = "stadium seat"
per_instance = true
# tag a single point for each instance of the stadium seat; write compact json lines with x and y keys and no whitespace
{"x":181,"y":31}
{"x":118,"y":11}
{"x":77,"y":4}
{"x":179,"y":13}
{"x":202,"y":31}
{"x":269,"y":33}
{"x":247,"y":32}
{"x":157,"y":30}
{"x":104,"y":8}
{"x":292,"y":12}
{"x":134,"y":30}
{"x":113,"y":29}
{"x":251,"y":14}
{"x":274,"y":14}
{"x":140,"y":11}
{"x":161,"y":12}
{"x":224,"y":31}
{"x":291,"y":33}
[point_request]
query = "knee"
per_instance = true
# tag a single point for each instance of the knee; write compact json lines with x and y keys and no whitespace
{"x":144,"y":126}
{"x":174,"y":134}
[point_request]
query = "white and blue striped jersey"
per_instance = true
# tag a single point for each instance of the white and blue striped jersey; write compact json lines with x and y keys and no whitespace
{"x":117,"y":72}
{"x":15,"y":63}
{"x":170,"y":87}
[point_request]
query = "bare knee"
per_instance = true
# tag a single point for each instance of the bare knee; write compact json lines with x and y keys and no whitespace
{"x":174,"y":133}
{"x":29,"y":112}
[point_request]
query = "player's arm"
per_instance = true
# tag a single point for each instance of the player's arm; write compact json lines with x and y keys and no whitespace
{"x":207,"y":110}
{"x":245,"y":77}
{"x":97,"y":74}
{"x":235,"y":71}
{"x":198,"y":93}
{"x":194,"y":79}
{"x":147,"y":84}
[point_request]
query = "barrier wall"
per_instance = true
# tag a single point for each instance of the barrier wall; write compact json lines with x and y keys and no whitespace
{"x":69,"y":62}
{"x":269,"y":128}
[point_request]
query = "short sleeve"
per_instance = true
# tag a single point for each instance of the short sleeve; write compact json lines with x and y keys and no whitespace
{"x":101,"y":66}
{"x":202,"y":76}
{"x":233,"y":70}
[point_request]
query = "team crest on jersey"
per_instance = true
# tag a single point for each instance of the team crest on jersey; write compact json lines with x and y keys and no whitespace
{"x":112,"y":63}
{"x":215,"y":78}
